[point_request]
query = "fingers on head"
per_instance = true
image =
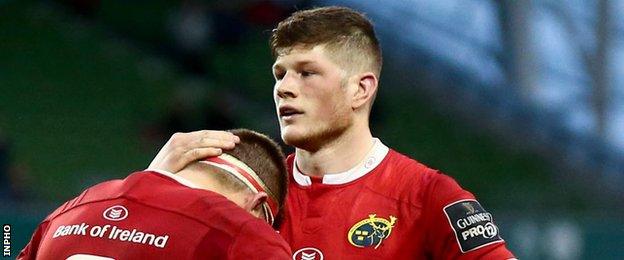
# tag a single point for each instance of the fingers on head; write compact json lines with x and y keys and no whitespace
{"x":206,"y":142}
{"x":178,"y":139}
{"x":221,"y":135}
{"x":204,"y":139}
{"x":200,"y":153}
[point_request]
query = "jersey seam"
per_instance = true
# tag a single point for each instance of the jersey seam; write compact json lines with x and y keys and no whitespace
{"x":43,"y":235}
{"x":199,"y":242}
{"x":426,"y":218}
{"x":238,"y":233}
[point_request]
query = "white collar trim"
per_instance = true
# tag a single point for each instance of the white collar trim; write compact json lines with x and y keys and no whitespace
{"x":177,"y":178}
{"x":370,"y":161}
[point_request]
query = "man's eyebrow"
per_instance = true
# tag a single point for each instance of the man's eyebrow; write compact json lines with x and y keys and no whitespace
{"x":297,"y":64}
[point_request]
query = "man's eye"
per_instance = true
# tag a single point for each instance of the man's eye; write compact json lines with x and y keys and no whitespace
{"x":279,"y":76}
{"x":306,"y":73}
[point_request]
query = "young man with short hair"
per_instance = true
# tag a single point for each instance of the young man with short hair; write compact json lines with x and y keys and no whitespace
{"x":202,"y":212}
{"x":350,"y":196}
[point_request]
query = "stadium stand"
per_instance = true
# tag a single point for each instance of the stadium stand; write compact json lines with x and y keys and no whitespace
{"x":78,"y":93}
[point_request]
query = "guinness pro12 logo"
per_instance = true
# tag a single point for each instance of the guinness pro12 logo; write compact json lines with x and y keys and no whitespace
{"x":474,"y":227}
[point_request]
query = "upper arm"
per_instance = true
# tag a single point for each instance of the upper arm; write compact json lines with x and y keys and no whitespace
{"x":31,"y":249}
{"x":459,"y":225}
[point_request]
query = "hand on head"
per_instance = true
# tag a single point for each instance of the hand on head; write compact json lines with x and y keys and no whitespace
{"x":185,"y":148}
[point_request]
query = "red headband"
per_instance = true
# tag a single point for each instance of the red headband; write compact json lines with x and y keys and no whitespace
{"x":244,"y":173}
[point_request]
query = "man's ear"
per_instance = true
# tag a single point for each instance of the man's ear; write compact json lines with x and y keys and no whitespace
{"x":253,"y":202}
{"x":366,"y":88}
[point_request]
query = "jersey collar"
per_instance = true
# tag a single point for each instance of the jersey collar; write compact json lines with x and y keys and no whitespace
{"x":176,"y":178}
{"x":370,"y":161}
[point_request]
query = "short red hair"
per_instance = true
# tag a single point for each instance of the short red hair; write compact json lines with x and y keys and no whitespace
{"x":346,"y":33}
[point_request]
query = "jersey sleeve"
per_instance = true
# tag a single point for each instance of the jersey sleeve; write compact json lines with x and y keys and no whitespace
{"x":30,"y":251}
{"x":460,"y":228}
{"x":257,"y":240}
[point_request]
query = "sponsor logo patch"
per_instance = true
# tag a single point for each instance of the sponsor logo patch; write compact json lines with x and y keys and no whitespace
{"x":308,"y":253}
{"x":110,"y":232}
{"x":371,"y":231}
{"x":474,"y":227}
{"x":115,"y":213}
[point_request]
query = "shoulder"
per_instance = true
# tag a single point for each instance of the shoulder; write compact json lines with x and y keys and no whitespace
{"x":425,"y":176}
{"x":404,"y":179}
{"x":443,"y":188}
{"x":158,"y":192}
{"x":112,"y":189}
{"x":88,"y":195}
{"x":402,"y":173}
{"x":403,"y":167}
{"x":440,"y":190}
{"x":205,"y":207}
{"x":257,"y":239}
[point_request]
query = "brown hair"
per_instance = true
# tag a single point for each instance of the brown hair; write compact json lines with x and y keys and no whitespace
{"x":348,"y":34}
{"x":264,"y":157}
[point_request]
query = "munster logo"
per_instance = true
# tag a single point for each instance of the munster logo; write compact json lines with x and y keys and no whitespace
{"x":371,"y":231}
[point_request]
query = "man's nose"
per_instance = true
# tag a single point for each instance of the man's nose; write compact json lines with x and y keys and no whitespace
{"x":287,"y":87}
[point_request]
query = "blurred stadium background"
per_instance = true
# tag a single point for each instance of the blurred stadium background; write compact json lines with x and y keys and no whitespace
{"x":521,"y":101}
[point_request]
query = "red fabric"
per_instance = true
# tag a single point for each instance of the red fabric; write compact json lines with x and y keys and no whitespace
{"x":320,"y":216}
{"x":186,"y":223}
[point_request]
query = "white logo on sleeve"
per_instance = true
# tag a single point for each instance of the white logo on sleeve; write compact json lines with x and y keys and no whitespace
{"x":308,"y":253}
{"x":88,"y":257}
{"x":115,"y":213}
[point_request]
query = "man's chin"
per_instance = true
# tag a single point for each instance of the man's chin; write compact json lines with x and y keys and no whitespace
{"x":290,"y":138}
{"x":293,"y":137}
{"x":305,"y":140}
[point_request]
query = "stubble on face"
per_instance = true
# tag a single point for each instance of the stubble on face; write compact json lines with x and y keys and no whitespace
{"x":324,"y":100}
{"x":328,"y":122}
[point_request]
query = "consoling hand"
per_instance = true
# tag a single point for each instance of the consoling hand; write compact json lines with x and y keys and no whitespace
{"x":184,"y":148}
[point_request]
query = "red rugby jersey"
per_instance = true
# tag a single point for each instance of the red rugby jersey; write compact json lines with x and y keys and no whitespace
{"x":387,"y":207}
{"x":153,"y":215}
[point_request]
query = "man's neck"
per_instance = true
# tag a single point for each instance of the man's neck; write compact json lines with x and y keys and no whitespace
{"x":337,"y":155}
{"x":202,"y":176}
